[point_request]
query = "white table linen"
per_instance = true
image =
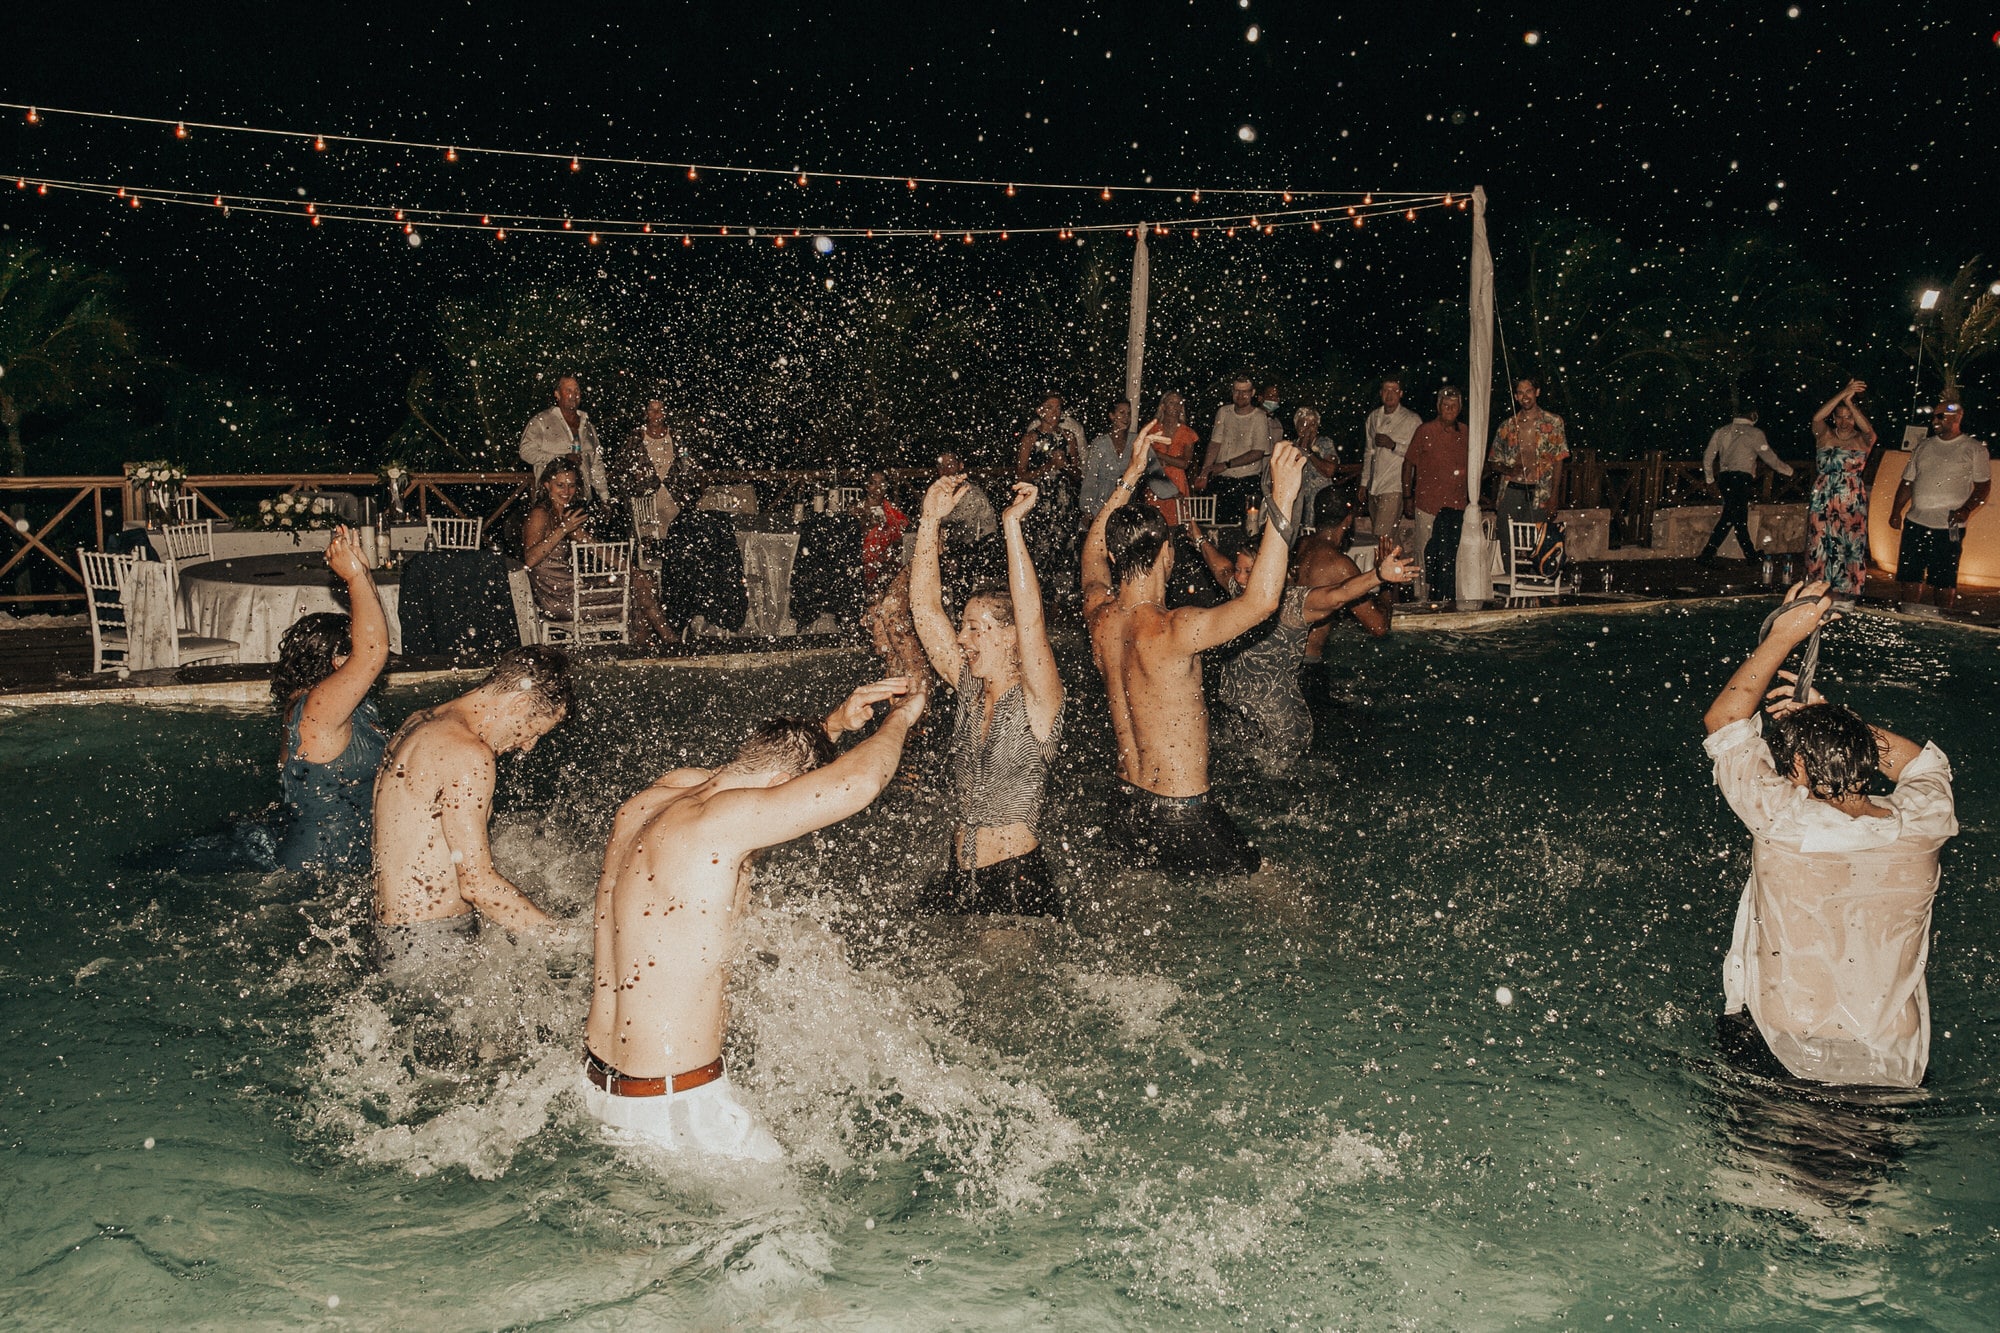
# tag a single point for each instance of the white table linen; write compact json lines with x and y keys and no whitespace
{"x":768,"y":558}
{"x":255,"y":599}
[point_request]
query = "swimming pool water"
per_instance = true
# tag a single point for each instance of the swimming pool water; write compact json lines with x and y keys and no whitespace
{"x":1289,"y":1101}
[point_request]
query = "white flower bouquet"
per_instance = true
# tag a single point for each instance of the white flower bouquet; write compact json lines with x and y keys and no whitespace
{"x":159,"y":481}
{"x":294,"y":512}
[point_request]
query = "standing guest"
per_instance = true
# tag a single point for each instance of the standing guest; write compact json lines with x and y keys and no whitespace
{"x":1048,"y":457}
{"x":1321,"y":468}
{"x":327,"y":664}
{"x":644,"y":465}
{"x":1434,"y":492}
{"x":1944,"y":484}
{"x":1171,"y":458}
{"x":1238,"y":443}
{"x":1010,"y":704}
{"x":972,"y":519}
{"x":675,"y":885}
{"x":551,"y":528}
{"x":1258,"y":683}
{"x":1833,"y":929}
{"x":882,"y":543}
{"x":1389,"y":430}
{"x":565,"y":431}
{"x":1527,"y":457}
{"x":1837,"y":517}
{"x":1104,"y":459}
{"x":1267,"y":398}
{"x":1730,"y":464}
{"x":1150,"y":658}
{"x":434,"y":875}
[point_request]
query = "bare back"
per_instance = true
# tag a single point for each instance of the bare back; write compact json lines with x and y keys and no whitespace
{"x":1154,"y":688}
{"x":434,"y":765}
{"x":666,"y":903}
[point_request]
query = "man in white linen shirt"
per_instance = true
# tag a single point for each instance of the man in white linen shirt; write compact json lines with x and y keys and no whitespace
{"x":1730,"y":464}
{"x":565,"y":429}
{"x":1946,"y":479}
{"x":1833,"y":930}
{"x":1389,"y":430}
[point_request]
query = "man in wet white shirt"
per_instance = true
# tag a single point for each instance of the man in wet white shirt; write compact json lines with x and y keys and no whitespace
{"x":1833,"y":930}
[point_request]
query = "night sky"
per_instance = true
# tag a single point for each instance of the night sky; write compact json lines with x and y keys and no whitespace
{"x":1865,"y":134}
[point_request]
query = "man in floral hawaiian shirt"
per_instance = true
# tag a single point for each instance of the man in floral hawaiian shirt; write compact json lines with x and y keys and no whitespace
{"x":1527,"y":457}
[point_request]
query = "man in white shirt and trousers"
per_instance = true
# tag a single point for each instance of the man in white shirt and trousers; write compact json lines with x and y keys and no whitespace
{"x":1389,"y":430}
{"x":566,"y":429}
{"x":1947,"y":478}
{"x":1730,"y":464}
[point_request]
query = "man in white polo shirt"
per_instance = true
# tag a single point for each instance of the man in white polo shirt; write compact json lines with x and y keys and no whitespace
{"x":1947,"y":478}
{"x":1238,"y":443}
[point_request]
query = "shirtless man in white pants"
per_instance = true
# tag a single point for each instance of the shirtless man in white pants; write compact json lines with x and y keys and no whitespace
{"x":676,"y":880}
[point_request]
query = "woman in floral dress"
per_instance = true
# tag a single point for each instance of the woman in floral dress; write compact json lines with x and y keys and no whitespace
{"x":1837,"y":518}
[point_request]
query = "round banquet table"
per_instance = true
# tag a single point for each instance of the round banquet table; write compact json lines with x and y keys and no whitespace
{"x":255,"y":599}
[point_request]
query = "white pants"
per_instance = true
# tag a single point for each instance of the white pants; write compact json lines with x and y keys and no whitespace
{"x":1385,"y":514}
{"x":705,"y":1119}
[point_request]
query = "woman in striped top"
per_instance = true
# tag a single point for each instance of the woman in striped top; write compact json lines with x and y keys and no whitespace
{"x":1009,"y":718}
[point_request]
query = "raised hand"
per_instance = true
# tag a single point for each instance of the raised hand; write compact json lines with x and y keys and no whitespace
{"x":1853,"y":389}
{"x":1025,"y":494}
{"x":943,"y":496}
{"x":343,"y":555}
{"x":1392,"y":566}
{"x":1807,"y":606}
{"x":1288,"y":467}
{"x":1149,"y":435}
{"x":859,"y":707}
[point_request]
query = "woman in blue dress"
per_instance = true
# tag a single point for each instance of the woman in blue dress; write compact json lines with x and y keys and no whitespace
{"x":327,"y":664}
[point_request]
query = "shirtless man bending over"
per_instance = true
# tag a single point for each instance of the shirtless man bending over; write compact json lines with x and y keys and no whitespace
{"x":434,"y":874}
{"x":676,"y":880}
{"x":1150,"y":658}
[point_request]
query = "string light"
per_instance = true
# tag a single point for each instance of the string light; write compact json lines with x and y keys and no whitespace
{"x":180,"y":131}
{"x":593,"y":238}
{"x":802,"y":179}
{"x":1010,"y":192}
{"x":500,"y":233}
{"x":35,"y":115}
{"x":1105,"y":195}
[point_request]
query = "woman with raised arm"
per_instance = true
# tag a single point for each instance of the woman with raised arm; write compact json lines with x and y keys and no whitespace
{"x":1837,"y":517}
{"x":327,"y":664}
{"x":1009,"y":719}
{"x":1258,"y":684}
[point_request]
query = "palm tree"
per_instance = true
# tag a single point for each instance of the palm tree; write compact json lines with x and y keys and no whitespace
{"x":1968,"y":324}
{"x":59,"y":339}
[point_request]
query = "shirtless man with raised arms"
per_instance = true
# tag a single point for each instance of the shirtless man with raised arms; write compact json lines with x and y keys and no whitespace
{"x":434,"y":873}
{"x":1150,"y":658}
{"x":676,"y":880}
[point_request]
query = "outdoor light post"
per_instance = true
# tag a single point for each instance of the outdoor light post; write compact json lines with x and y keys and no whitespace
{"x":1926,"y":310}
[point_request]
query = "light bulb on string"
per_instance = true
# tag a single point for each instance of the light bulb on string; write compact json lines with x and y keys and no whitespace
{"x":21,"y":183}
{"x":181,"y":131}
{"x":399,"y":215}
{"x":1003,"y":235}
{"x":593,"y":238}
{"x":319,"y":144}
{"x":567,"y":224}
{"x":1359,"y":221}
{"x":778,"y":241}
{"x":1105,"y":194}
{"x":500,"y":234}
{"x":313,"y":209}
{"x":135,"y":201}
{"x":1010,"y":191}
{"x":409,"y":227}
{"x":691,"y":174}
{"x":647,"y":228}
{"x":1197,"y":196}
{"x":121,"y":192}
{"x":1315,"y":224}
{"x":1231,"y":232}
{"x":802,"y":179}
{"x":218,"y":201}
{"x":314,"y":219}
{"x":687,"y":242}
{"x":451,"y":155}
{"x":1447,"y":201}
{"x":485,"y":219}
{"x":575,"y":164}
{"x":1409,"y":215}
{"x":34,"y":116}
{"x":968,"y":238}
{"x":911,"y":182}
{"x":43,"y":188}
{"x":1286,"y":196}
{"x":1367,"y":198}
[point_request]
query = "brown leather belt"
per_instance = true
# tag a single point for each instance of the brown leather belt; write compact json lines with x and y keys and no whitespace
{"x":623,"y":1085}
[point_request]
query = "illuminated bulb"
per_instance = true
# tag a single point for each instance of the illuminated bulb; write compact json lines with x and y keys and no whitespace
{"x":408,"y":227}
{"x":1315,"y":224}
{"x":722,"y":231}
{"x":968,"y":238}
{"x":315,"y":219}
{"x":1230,"y":232}
{"x":802,"y":178}
{"x":566,"y":224}
{"x":1010,"y":192}
{"x":1350,"y":210}
{"x":1359,"y":221}
{"x":1410,"y":215}
{"x":319,"y":144}
{"x":451,"y":155}
{"x":135,"y":201}
{"x":1254,"y":222}
{"x":34,"y":116}
{"x":1286,"y":196}
{"x":500,"y":234}
{"x":1268,"y":229}
{"x":778,"y":241}
{"x":180,"y":131}
{"x":312,"y":208}
{"x":648,"y":229}
{"x":1003,"y":235}
{"x":43,"y":188}
{"x":21,"y":183}
{"x":870,"y":233}
{"x":1197,"y":196}
{"x":691,"y":175}
{"x":1105,"y":194}
{"x":1461,"y":205}
{"x":687,"y":241}
{"x":485,"y":219}
{"x":575,"y":165}
{"x":399,"y":215}
{"x":1447,"y":201}
{"x":1197,"y":233}
{"x":912,"y":183}
{"x":593,"y":238}
{"x":121,"y":192}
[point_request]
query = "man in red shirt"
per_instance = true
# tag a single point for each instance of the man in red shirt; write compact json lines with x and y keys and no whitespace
{"x":882,"y":544}
{"x":1434,"y":493}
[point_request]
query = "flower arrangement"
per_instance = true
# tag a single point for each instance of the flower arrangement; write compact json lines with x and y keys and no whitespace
{"x":159,"y":481}
{"x":296,"y":513}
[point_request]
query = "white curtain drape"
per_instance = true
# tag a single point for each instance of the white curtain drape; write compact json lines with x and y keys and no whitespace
{"x":1135,"y":326}
{"x":1475,"y":578}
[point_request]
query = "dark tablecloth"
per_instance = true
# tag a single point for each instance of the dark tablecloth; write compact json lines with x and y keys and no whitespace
{"x":456,"y":604}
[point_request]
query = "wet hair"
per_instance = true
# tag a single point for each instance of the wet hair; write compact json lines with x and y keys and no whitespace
{"x":564,"y":463}
{"x":306,"y":653}
{"x":995,"y":595}
{"x":789,"y":745}
{"x":1330,"y":506}
{"x":1839,"y":751}
{"x":1232,"y":542}
{"x":541,"y":671}
{"x":1134,"y":536}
